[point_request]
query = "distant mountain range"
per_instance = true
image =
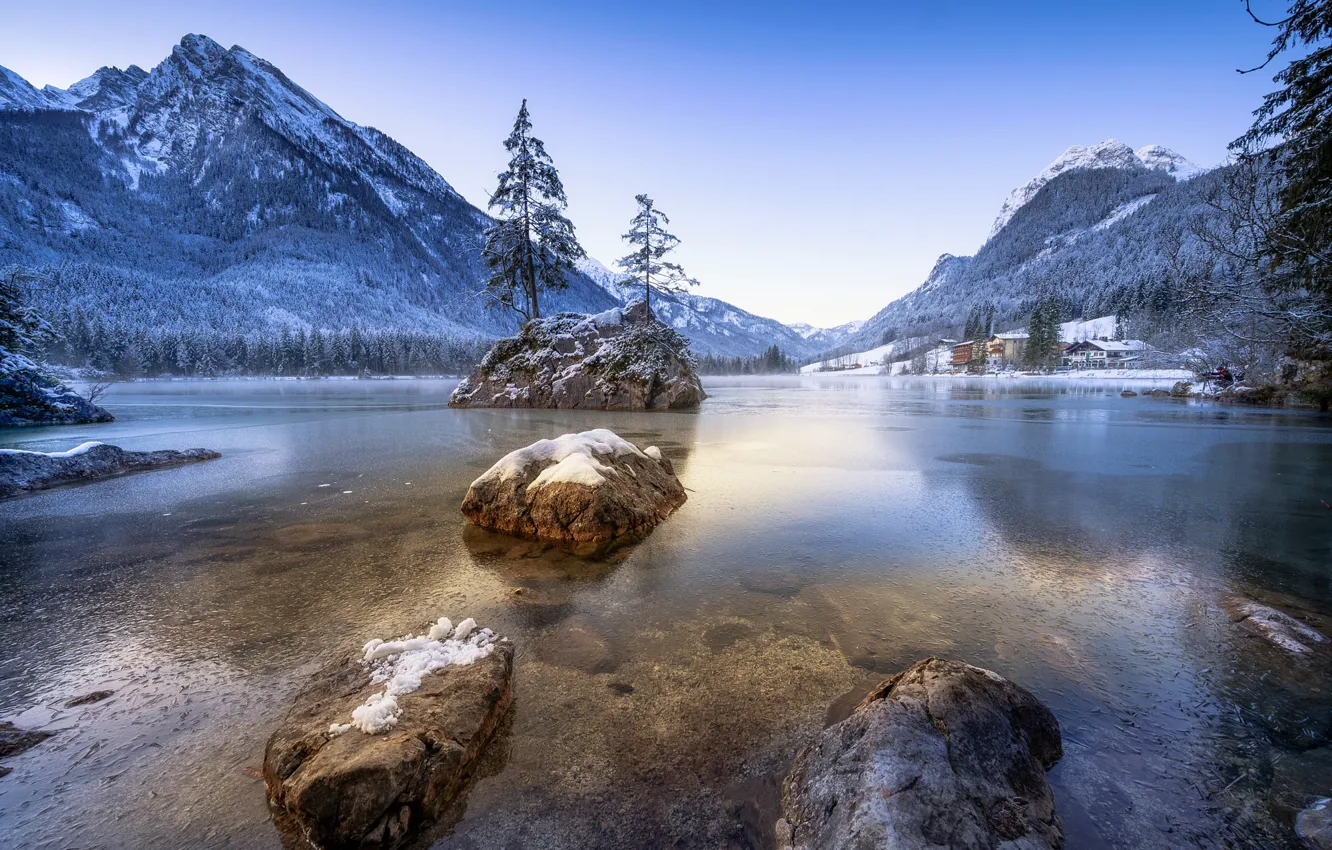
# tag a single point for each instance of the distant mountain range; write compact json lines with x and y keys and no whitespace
{"x":1103,"y":227}
{"x":214,"y":193}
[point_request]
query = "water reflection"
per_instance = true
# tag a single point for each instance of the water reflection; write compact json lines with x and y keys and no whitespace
{"x":1080,"y":543}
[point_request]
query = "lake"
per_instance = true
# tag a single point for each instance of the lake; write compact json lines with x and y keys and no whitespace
{"x":837,"y":529}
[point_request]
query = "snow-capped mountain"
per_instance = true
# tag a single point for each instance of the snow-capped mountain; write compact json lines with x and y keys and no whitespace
{"x":1104,"y":227}
{"x":712,"y":325}
{"x":213,"y":193}
{"x":1111,"y":153}
{"x":825,"y":338}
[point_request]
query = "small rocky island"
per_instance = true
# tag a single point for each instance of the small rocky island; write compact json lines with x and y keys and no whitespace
{"x":24,"y":470}
{"x":29,"y":396}
{"x":382,"y":741}
{"x":622,"y":359}
{"x":589,"y":492}
{"x":943,"y":754}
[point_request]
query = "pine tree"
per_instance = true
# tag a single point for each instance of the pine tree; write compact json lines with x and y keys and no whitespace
{"x":651,"y":242}
{"x":21,"y":329}
{"x":532,"y":245}
{"x":1043,"y":334}
{"x":1295,"y":116}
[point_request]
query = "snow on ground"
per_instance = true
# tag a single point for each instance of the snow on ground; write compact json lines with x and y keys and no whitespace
{"x":1078,"y":330}
{"x":400,"y":665}
{"x":873,"y":357}
{"x":77,"y":450}
{"x":571,"y":458}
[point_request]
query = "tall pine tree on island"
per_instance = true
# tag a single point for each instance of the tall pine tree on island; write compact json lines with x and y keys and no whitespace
{"x":651,"y":242}
{"x":531,"y":246}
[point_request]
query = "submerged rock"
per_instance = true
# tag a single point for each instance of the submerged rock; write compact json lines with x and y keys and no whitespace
{"x":30,"y":397}
{"x":23,"y":470}
{"x":590,"y":492}
{"x":364,"y":759}
{"x":622,"y":359}
{"x":941,"y":755}
{"x":1275,"y":626}
{"x":14,"y":740}
{"x":1314,"y":824}
{"x":1128,"y":394}
{"x":89,"y":699}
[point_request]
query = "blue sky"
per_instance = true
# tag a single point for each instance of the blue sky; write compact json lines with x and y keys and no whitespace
{"x":815,"y":158}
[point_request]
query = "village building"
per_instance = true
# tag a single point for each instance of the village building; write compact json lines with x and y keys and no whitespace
{"x":1105,"y":354}
{"x":1006,"y":349}
{"x":970,"y":355}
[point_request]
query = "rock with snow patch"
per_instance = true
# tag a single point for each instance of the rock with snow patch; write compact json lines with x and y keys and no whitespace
{"x":588,"y":492}
{"x":622,"y":359}
{"x":30,"y":397}
{"x":941,"y":755}
{"x":380,"y":742}
{"x":1275,"y":626}
{"x":1181,"y":389}
{"x":23,"y":470}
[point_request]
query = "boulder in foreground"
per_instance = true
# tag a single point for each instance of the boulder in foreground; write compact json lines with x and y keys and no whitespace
{"x":381,"y":741}
{"x":23,"y":470}
{"x":588,"y":492}
{"x":30,"y":397}
{"x":941,"y":755}
{"x":622,"y":359}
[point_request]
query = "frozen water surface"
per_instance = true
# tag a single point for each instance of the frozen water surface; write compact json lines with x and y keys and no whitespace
{"x":1085,"y":545}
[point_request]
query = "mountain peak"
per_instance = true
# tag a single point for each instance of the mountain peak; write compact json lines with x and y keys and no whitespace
{"x":1112,"y":153}
{"x":201,"y":46}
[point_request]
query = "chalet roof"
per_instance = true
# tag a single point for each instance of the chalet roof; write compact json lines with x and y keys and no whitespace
{"x":1013,"y":335}
{"x":1110,"y":345}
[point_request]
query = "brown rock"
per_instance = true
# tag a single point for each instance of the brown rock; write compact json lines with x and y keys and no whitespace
{"x":941,"y":755}
{"x":361,"y":790}
{"x":623,"y":359}
{"x":89,"y":699}
{"x":590,"y":492}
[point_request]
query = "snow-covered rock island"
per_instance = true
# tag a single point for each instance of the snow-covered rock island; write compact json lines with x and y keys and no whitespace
{"x":382,"y":741}
{"x":29,"y":396}
{"x":622,"y":359}
{"x":24,"y":470}
{"x":589,"y":492}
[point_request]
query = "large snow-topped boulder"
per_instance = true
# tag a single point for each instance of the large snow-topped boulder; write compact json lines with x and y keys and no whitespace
{"x":588,"y":492}
{"x":29,"y":397}
{"x":24,"y":470}
{"x":941,"y":755}
{"x":622,"y":359}
{"x":381,"y":741}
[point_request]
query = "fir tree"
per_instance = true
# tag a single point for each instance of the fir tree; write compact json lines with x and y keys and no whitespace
{"x":21,"y":329}
{"x":531,"y":246}
{"x":1043,"y":334}
{"x":651,"y":243}
{"x":1299,"y":239}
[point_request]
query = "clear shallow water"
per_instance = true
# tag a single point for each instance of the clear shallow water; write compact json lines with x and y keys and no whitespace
{"x":837,"y":529}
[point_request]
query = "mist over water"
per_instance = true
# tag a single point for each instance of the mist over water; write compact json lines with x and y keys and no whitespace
{"x":837,"y":529}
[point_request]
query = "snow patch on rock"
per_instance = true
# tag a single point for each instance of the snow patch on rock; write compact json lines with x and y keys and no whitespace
{"x":400,"y":665}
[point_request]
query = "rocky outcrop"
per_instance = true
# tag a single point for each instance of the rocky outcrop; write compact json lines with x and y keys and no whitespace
{"x":1182,"y":389}
{"x":588,"y":492}
{"x":622,"y":359}
{"x":941,"y":755}
{"x":23,"y":470}
{"x":29,"y":397}
{"x":382,"y":741}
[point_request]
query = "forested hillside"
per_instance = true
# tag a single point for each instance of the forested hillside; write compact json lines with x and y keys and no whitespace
{"x":1103,"y":240}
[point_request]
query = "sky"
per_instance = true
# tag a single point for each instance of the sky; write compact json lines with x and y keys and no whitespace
{"x":815,"y":159}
